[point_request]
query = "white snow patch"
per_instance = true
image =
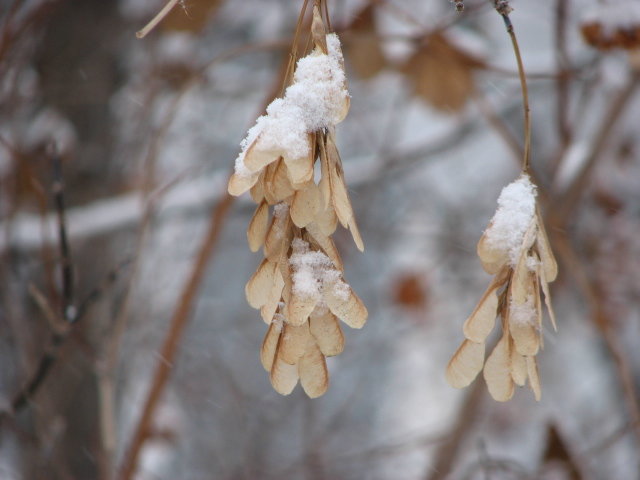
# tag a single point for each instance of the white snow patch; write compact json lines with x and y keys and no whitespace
{"x":313,"y":271}
{"x":314,"y":101}
{"x":523,"y":314}
{"x":516,"y":210}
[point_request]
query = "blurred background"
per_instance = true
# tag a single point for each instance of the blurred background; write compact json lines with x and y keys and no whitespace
{"x":148,"y":288}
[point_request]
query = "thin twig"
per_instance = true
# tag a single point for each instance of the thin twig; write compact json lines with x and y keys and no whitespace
{"x":157,"y":19}
{"x":525,"y":91}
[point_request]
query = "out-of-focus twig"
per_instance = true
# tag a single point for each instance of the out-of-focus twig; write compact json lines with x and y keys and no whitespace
{"x":157,"y":19}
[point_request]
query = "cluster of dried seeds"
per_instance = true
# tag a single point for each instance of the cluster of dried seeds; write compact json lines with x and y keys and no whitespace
{"x":516,"y":250}
{"x":299,"y":286}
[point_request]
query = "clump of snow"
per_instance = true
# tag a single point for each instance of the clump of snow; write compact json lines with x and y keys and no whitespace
{"x":313,"y":271}
{"x":613,"y":16}
{"x":523,"y":314}
{"x":516,"y":210}
{"x":280,"y":209}
{"x":314,"y":101}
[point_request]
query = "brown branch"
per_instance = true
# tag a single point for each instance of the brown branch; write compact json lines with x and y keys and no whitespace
{"x":179,"y":321}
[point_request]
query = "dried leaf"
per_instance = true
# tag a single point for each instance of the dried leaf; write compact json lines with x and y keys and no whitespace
{"x":363,"y":50}
{"x":284,"y":376}
{"x":442,"y":74}
{"x":481,"y":321}
{"x":259,"y":285}
{"x":312,"y":369}
{"x":345,"y":305}
{"x":268,"y":310}
{"x":269,"y":346}
{"x":293,"y":342}
{"x":257,"y":231}
{"x":327,"y":333}
{"x":465,"y":364}
{"x":534,"y":379}
{"x":306,"y":205}
{"x":497,"y":371}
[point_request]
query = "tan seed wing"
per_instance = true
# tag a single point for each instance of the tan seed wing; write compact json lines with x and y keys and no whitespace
{"x":257,"y":230}
{"x":481,"y":321}
{"x":348,"y":307}
{"x":268,"y":310}
{"x":269,"y":346}
{"x":327,"y":221}
{"x":522,"y":282}
{"x":327,"y":333}
{"x":325,"y":178}
{"x":293,"y":342}
{"x":312,"y":369}
{"x":525,"y":337}
{"x":547,"y":298}
{"x":284,"y":377}
{"x":326,"y":244}
{"x":546,"y":254}
{"x":492,"y":259}
{"x":257,"y":191}
{"x":299,"y":308}
{"x":259,"y":285}
{"x":238,"y":184}
{"x":497,"y":372}
{"x":518,"y":368}
{"x":534,"y":378}
{"x":465,"y":364}
{"x":256,"y":158}
{"x":279,"y":185}
{"x":278,"y":237}
{"x":306,"y":205}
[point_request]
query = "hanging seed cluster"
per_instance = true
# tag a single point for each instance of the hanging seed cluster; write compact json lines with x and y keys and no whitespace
{"x":299,"y":287}
{"x":515,"y":249}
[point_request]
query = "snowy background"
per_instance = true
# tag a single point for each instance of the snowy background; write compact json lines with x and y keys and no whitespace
{"x":148,"y":131}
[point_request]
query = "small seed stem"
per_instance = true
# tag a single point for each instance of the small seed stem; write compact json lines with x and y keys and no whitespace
{"x":157,"y":19}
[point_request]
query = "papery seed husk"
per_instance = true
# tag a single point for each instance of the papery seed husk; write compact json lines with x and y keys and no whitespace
{"x":258,"y":226}
{"x":339,"y":194}
{"x":299,"y":307}
{"x":312,"y":369}
{"x":238,"y":184}
{"x":518,"y":368}
{"x":547,"y":298}
{"x":306,"y":205}
{"x":492,"y":259}
{"x":525,"y":338}
{"x":465,"y":364}
{"x":521,"y":282}
{"x":482,"y":320}
{"x":268,"y":310}
{"x":278,"y":237}
{"x":327,"y":221}
{"x":497,"y":372}
{"x":259,"y":285}
{"x":277,"y":184}
{"x":325,"y":182}
{"x":257,"y":191}
{"x":534,"y":378}
{"x":544,"y":249}
{"x":293,"y":342}
{"x":350,"y":310}
{"x":284,"y":377}
{"x":256,"y":159}
{"x":325,"y":243}
{"x":327,"y":333}
{"x":299,"y":170}
{"x":269,"y":346}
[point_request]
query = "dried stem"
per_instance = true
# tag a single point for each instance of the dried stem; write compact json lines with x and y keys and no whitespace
{"x":525,"y":92}
{"x":157,"y":19}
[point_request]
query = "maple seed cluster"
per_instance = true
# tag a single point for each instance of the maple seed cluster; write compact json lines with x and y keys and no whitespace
{"x":516,"y":250}
{"x":299,"y":286}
